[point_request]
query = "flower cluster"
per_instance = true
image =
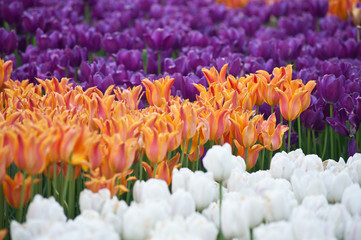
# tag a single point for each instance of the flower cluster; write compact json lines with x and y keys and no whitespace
{"x":296,"y":199}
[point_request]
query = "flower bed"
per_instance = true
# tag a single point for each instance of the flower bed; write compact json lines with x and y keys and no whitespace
{"x":99,"y":94}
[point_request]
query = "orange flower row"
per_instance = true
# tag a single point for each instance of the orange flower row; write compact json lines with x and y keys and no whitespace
{"x":46,"y":127}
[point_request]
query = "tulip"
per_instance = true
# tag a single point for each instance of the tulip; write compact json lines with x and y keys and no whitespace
{"x":270,"y":135}
{"x":3,"y":233}
{"x":331,"y":88}
{"x":213,"y":76}
{"x":189,"y":117}
{"x":5,"y":70}
{"x":31,"y":154}
{"x":218,"y":161}
{"x":151,"y":190}
{"x":182,"y":203}
{"x":252,"y":154}
{"x":351,"y":193}
{"x":281,"y":167}
{"x":352,"y":229}
{"x":156,"y":144}
{"x":13,"y":189}
{"x":281,"y":230}
{"x":122,"y":155}
{"x":245,"y":129}
{"x":158,"y":92}
{"x":131,"y":96}
{"x":235,"y":225}
{"x":45,"y":209}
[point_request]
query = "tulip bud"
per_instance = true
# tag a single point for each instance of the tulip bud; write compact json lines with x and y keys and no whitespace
{"x":45,"y":209}
{"x":151,"y":190}
{"x":182,"y":203}
{"x":349,"y":197}
{"x":218,"y":160}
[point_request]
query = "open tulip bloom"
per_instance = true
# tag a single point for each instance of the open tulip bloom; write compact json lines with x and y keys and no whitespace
{"x":107,"y":105}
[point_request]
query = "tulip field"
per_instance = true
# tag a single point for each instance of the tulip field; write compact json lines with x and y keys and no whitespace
{"x":180,"y":119}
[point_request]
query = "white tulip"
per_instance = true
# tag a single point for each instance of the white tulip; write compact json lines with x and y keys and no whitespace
{"x":89,"y":225}
{"x":200,"y":227}
{"x":296,"y":156}
{"x":112,"y":213}
{"x":278,"y":205}
{"x":238,"y":163}
{"x":353,"y":229}
{"x":212,"y":213}
{"x":351,"y":199}
{"x":234,"y":220}
{"x":182,"y":203}
{"x":354,"y":164}
{"x":312,"y":228}
{"x":203,"y":188}
{"x":268,"y":184}
{"x":282,"y":166}
{"x":337,"y":217}
{"x":307,"y":183}
{"x":255,"y":208}
{"x":311,"y":162}
{"x":180,"y":178}
{"x":218,"y":160}
{"x":93,"y":201}
{"x":238,"y":181}
{"x":34,"y":228}
{"x":315,"y":202}
{"x":140,"y":218}
{"x":277,"y":230}
{"x":335,"y":184}
{"x":151,"y":190}
{"x":45,"y":209}
{"x":171,"y":229}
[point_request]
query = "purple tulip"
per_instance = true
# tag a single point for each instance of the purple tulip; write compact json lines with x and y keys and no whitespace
{"x":160,"y":39}
{"x":111,"y":42}
{"x":312,"y":119}
{"x":12,"y":12}
{"x":351,"y":146}
{"x":338,"y":126}
{"x":318,"y":8}
{"x":131,"y":59}
{"x":8,"y":41}
{"x":331,"y":88}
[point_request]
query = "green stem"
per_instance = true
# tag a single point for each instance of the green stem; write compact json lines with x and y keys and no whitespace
{"x":289,"y":135}
{"x":159,"y":62}
{"x":270,"y":154}
{"x":299,"y":132}
{"x":308,"y":141}
{"x":246,"y":156}
{"x":220,"y":211}
{"x":48,"y":184}
{"x":71,"y":199}
{"x":87,"y":13}
{"x":145,"y":60}
{"x":324,"y":145}
{"x":314,"y":142}
{"x":20,"y":211}
{"x":182,"y":155}
{"x":188,"y":150}
{"x":141,"y":166}
{"x":198,"y":161}
{"x":2,"y":207}
{"x":262,"y":159}
{"x":358,"y":33}
{"x":65,"y":187}
{"x":32,"y":188}
{"x":331,"y":134}
{"x":272,"y":109}
{"x":257,"y":110}
{"x":155,"y":170}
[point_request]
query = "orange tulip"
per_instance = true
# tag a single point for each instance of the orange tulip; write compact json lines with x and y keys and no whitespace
{"x":290,"y":103}
{"x":244,"y":130}
{"x":270,"y":135}
{"x":2,"y":167}
{"x":13,"y":188}
{"x":252,"y":153}
{"x":213,"y":76}
{"x":218,"y":122}
{"x":189,"y":117}
{"x":306,"y":99}
{"x":31,"y":152}
{"x":131,"y":96}
{"x":156,"y":144}
{"x":164,"y":169}
{"x":158,"y":92}
{"x":122,"y":154}
{"x":5,"y":70}
{"x":96,"y":154}
{"x":341,"y":8}
{"x":3,"y":233}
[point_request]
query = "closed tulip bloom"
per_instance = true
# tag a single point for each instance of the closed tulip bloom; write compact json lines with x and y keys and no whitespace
{"x":122,"y":155}
{"x":13,"y":189}
{"x":156,"y":144}
{"x":290,"y":103}
{"x":5,"y":70}
{"x":252,"y":153}
{"x":331,"y":88}
{"x":218,"y":160}
{"x":182,"y":203}
{"x":351,"y":193}
{"x":151,"y":190}
{"x":244,"y":129}
{"x":189,"y":117}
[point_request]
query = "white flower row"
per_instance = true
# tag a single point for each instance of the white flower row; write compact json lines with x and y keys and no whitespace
{"x":298,"y":198}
